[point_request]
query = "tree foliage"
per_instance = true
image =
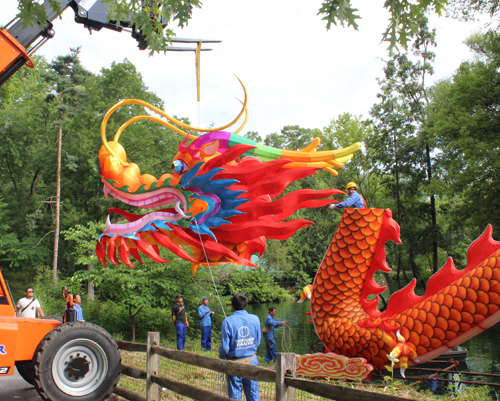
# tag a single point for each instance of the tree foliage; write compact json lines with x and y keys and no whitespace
{"x":256,"y":284}
{"x":151,"y":16}
{"x":402,"y":154}
{"x":464,"y":124}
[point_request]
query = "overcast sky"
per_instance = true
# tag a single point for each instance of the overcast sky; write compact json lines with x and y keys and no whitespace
{"x":295,"y":72}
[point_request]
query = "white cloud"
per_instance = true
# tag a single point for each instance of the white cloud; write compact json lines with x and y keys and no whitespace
{"x":294,"y":70}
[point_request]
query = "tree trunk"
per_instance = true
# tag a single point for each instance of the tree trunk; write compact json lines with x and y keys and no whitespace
{"x":398,"y":275}
{"x":58,"y":203}
{"x":90,"y":285}
{"x":132,"y":319}
{"x":433,"y":213}
{"x":389,"y":282}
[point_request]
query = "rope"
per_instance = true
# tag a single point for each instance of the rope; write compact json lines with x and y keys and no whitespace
{"x":210,"y":267}
{"x":286,"y":344}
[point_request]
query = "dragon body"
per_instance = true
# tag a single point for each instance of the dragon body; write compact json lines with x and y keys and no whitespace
{"x":456,"y":306}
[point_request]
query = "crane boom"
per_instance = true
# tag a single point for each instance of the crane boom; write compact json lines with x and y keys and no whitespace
{"x":15,"y":38}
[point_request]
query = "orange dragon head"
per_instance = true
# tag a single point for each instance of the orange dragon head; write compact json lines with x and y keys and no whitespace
{"x":219,"y":200}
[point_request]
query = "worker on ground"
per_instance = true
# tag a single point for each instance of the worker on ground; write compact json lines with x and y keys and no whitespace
{"x":77,"y":300}
{"x":180,"y":321}
{"x":205,"y":315}
{"x":354,"y":200}
{"x":269,"y":325}
{"x":29,"y":306}
{"x":240,"y":337}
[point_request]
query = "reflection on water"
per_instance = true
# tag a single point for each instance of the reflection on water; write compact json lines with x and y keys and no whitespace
{"x":484,"y":349}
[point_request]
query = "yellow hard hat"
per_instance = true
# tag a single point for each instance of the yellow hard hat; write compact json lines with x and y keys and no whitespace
{"x":351,"y":185}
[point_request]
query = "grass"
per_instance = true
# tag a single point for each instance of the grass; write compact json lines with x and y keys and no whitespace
{"x":215,"y":382}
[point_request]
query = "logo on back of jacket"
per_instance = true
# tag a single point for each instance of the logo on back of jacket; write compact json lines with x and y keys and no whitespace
{"x":243,"y":341}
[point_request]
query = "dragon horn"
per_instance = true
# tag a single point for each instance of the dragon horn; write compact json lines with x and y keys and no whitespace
{"x":158,"y":120}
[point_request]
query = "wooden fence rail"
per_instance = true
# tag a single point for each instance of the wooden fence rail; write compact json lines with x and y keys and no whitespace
{"x":284,"y":377}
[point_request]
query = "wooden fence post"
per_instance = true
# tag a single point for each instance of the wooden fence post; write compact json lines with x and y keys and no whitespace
{"x":153,"y":367}
{"x":286,"y":364}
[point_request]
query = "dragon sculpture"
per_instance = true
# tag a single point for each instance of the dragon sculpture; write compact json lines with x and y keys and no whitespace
{"x":223,"y":195}
{"x":456,"y":306}
{"x":223,"y":200}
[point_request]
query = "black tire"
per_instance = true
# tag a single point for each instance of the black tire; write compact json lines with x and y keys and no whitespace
{"x":76,"y":361}
{"x":27,"y":371}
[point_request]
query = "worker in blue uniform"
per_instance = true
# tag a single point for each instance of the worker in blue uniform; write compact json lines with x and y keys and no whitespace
{"x":269,"y":325}
{"x":354,"y":200}
{"x":180,"y":321}
{"x":205,"y":315}
{"x":77,"y":300}
{"x":240,"y":337}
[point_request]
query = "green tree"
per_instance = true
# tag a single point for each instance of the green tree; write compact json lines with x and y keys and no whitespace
{"x":342,"y":132}
{"x":291,"y":137}
{"x":25,"y":156}
{"x":464,"y":126}
{"x":8,"y":240}
{"x":66,"y":75}
{"x":256,"y":284}
{"x":401,"y":150}
{"x":30,"y":116}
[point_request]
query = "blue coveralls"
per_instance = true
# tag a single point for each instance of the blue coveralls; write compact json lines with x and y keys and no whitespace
{"x":354,"y":200}
{"x":79,"y":312}
{"x":271,"y":347}
{"x":240,"y":337}
{"x":180,"y":329}
{"x":206,"y":327}
{"x":180,"y":325}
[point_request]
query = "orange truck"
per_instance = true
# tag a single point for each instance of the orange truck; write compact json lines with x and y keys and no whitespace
{"x":65,"y":362}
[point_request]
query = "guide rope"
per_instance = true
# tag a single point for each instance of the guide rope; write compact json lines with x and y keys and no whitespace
{"x":210,"y":268}
{"x":286,"y":339}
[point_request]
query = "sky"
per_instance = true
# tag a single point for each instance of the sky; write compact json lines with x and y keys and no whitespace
{"x":295,"y":71}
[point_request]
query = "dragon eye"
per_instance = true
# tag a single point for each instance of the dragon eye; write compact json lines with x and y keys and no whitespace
{"x":179,"y":167}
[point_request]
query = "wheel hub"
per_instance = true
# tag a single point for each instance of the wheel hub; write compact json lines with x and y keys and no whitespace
{"x":78,"y":367}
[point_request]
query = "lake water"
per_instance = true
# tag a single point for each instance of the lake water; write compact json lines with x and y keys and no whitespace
{"x":298,"y":334}
{"x":484,"y":349}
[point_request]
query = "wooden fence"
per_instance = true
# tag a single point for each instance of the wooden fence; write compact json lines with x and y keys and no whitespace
{"x":284,"y":377}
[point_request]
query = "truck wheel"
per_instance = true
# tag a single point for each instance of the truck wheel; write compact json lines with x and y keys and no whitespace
{"x":76,"y":361}
{"x":27,"y":371}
